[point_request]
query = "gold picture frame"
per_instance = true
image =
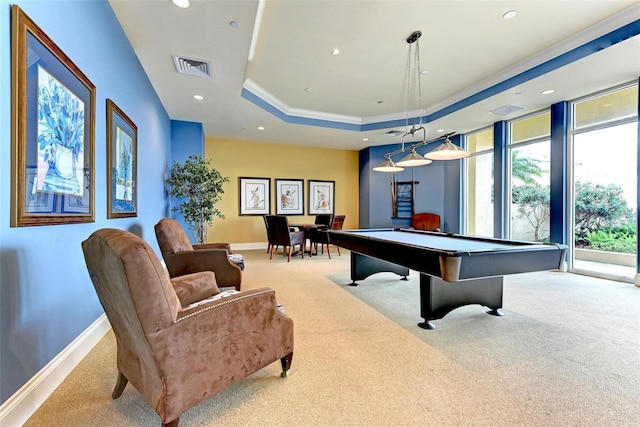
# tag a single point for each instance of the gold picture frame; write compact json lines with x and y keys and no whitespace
{"x":52,"y":131}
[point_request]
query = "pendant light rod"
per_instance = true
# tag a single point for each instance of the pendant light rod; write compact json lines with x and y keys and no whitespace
{"x":417,"y":144}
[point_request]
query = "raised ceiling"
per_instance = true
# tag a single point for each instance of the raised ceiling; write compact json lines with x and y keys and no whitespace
{"x":272,"y":66}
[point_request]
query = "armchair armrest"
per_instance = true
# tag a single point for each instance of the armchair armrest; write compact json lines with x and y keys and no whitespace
{"x":216,"y":260}
{"x":215,"y":344}
{"x":201,"y":246}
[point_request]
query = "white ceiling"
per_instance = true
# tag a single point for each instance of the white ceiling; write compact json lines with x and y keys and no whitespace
{"x":282,"y":47}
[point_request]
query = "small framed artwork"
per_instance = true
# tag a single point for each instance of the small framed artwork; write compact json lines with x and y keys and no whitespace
{"x":122,"y":163}
{"x":52,"y":131}
{"x":289,"y":197}
{"x":255,"y":196}
{"x":321,"y":197}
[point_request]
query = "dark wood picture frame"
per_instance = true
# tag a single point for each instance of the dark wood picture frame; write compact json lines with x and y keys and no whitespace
{"x":122,"y":164}
{"x":289,"y":196}
{"x":52,"y":131}
{"x":321,"y":197}
{"x":255,"y":195}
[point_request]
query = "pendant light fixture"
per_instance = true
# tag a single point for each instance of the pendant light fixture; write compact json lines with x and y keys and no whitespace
{"x":447,"y":151}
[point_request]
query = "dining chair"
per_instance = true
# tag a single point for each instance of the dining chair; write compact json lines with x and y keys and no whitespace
{"x":324,"y":219}
{"x":280,"y":234}
{"x":322,"y":236}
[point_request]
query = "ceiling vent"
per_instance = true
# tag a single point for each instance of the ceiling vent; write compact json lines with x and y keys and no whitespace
{"x":507,"y":109}
{"x":192,"y":67}
{"x":394,"y":133}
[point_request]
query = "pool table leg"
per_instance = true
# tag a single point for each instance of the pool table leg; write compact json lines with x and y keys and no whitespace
{"x":363,"y":266}
{"x":438,"y":298}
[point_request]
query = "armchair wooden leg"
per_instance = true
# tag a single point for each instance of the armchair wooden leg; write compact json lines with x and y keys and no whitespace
{"x":328,"y":251}
{"x":289,"y":253}
{"x":173,"y":423}
{"x":120,"y":385}
{"x":286,"y":364}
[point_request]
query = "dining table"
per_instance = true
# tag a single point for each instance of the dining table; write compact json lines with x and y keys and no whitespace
{"x":308,"y":228}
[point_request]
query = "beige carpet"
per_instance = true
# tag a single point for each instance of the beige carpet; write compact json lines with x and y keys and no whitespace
{"x":566,"y":353}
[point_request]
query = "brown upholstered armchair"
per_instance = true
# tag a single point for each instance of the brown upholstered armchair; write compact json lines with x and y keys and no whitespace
{"x":425,"y":221}
{"x":178,"y":343}
{"x":181,"y":257}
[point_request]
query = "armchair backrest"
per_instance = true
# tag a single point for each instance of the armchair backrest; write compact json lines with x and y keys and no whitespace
{"x":136,"y":294}
{"x":278,"y":230}
{"x":338,"y":222}
{"x":171,"y":237}
{"x":425,"y":221}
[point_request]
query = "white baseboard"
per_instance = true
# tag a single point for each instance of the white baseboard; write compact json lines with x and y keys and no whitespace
{"x":24,"y":402}
{"x":248,"y":246}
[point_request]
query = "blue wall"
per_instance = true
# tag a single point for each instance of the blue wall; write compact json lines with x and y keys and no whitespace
{"x":46,"y":297}
{"x":431,"y":192}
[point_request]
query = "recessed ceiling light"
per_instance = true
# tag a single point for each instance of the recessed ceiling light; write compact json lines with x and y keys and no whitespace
{"x":335,"y":52}
{"x":510,"y":14}
{"x":365,"y":139}
{"x":182,"y":3}
{"x":424,"y":71}
{"x":380,"y":101}
{"x":198,"y":97}
{"x":547,"y":92}
{"x":234,"y":24}
{"x":307,"y":89}
{"x":260,"y":127}
{"x":440,"y":130}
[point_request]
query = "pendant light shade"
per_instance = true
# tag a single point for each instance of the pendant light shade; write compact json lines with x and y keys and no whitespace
{"x":413,"y":159}
{"x":447,"y":151}
{"x":388,"y":166}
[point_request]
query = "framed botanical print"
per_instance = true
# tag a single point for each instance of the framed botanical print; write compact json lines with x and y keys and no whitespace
{"x":122,"y":164}
{"x":254,"y":196}
{"x":289,"y":196}
{"x":321,"y":197}
{"x":52,"y":131}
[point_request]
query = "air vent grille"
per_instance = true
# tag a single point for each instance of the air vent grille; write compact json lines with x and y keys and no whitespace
{"x":507,"y":109}
{"x":192,"y":67}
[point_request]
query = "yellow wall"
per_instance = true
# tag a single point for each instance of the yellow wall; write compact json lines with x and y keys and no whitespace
{"x":234,"y":158}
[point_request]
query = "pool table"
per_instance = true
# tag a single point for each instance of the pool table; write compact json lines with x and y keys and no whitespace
{"x":455,"y":270}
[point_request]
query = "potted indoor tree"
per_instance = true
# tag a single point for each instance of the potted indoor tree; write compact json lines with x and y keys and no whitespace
{"x":198,"y":187}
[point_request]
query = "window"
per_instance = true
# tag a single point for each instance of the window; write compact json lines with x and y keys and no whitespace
{"x":529,"y":165}
{"x":479,"y":184}
{"x":604,"y":183}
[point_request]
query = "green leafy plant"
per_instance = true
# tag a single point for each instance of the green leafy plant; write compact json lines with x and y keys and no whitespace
{"x":610,"y":241}
{"x":533,"y":205}
{"x":199,"y":188}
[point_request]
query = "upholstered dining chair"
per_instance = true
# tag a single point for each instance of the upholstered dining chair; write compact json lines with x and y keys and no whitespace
{"x":279,"y":234}
{"x":180,"y":341}
{"x":425,"y":221}
{"x":322,"y":236}
{"x":324,"y":219}
{"x":181,"y":257}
